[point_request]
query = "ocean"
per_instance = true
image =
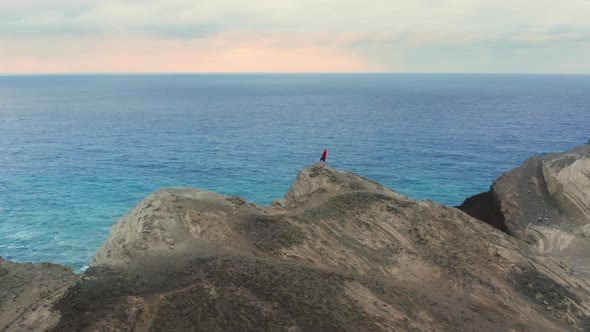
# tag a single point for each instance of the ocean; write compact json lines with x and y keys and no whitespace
{"x":79,"y":151}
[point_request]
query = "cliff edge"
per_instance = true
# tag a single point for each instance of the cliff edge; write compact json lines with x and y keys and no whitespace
{"x":546,"y":202}
{"x":337,"y":253}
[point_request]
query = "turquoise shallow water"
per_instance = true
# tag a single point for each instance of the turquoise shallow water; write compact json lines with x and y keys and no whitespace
{"x":77,"y":152}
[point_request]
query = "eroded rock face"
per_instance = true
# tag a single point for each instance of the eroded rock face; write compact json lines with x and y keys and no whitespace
{"x":169,"y":220}
{"x":549,"y":190}
{"x":545,"y":200}
{"x":339,"y":253}
{"x":569,"y":185}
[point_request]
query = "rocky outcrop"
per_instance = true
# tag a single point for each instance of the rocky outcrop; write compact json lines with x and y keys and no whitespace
{"x":316,"y":183}
{"x":568,"y":184}
{"x":545,"y":201}
{"x":28,"y":292}
{"x":338,"y":253}
{"x":553,"y":189}
{"x":170,"y":220}
{"x":487,"y":207}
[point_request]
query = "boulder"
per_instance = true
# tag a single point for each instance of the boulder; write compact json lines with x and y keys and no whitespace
{"x":547,"y":195}
{"x":553,"y":189}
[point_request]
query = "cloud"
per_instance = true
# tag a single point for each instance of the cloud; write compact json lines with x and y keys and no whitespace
{"x":183,"y":18}
{"x":380,"y":34}
{"x":220,"y":54}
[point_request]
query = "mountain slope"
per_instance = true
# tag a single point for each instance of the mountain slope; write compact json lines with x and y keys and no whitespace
{"x":338,"y":253}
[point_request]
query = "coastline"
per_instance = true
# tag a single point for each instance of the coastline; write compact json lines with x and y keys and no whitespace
{"x":322,"y":256}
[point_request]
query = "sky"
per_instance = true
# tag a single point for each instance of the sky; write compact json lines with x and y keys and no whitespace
{"x":288,"y":36}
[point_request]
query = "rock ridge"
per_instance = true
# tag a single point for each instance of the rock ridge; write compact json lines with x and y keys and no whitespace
{"x":338,"y":253}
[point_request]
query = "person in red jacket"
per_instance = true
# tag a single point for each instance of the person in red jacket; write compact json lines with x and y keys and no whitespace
{"x":323,"y":158}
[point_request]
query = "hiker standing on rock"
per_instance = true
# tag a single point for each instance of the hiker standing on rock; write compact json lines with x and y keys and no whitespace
{"x":323,"y":158}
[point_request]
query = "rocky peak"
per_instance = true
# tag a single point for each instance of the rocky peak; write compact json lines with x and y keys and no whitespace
{"x":316,"y":180}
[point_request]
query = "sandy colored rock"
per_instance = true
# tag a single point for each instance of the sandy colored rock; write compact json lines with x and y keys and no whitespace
{"x":569,"y":185}
{"x":28,"y":292}
{"x":552,"y":189}
{"x":169,"y":220}
{"x":315,"y":182}
{"x":545,"y":201}
{"x":340,"y":253}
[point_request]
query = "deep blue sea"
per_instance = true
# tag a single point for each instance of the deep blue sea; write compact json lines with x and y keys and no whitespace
{"x":77,"y":152}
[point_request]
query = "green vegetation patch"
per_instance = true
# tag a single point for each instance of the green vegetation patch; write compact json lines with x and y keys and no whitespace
{"x":341,"y":205}
{"x":270,"y":233}
{"x":585,"y":323}
{"x":3,"y":271}
{"x":244,"y":294}
{"x":543,"y":290}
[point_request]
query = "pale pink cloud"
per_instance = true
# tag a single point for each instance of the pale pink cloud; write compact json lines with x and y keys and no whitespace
{"x":223,"y":53}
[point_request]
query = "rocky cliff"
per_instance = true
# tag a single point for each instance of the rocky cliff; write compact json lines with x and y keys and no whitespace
{"x":28,"y":293}
{"x":545,"y":201}
{"x":337,"y":253}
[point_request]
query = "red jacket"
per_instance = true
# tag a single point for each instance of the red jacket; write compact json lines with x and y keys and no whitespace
{"x":324,"y":154}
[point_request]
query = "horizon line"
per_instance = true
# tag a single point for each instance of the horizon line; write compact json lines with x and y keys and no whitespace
{"x":279,"y":73}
